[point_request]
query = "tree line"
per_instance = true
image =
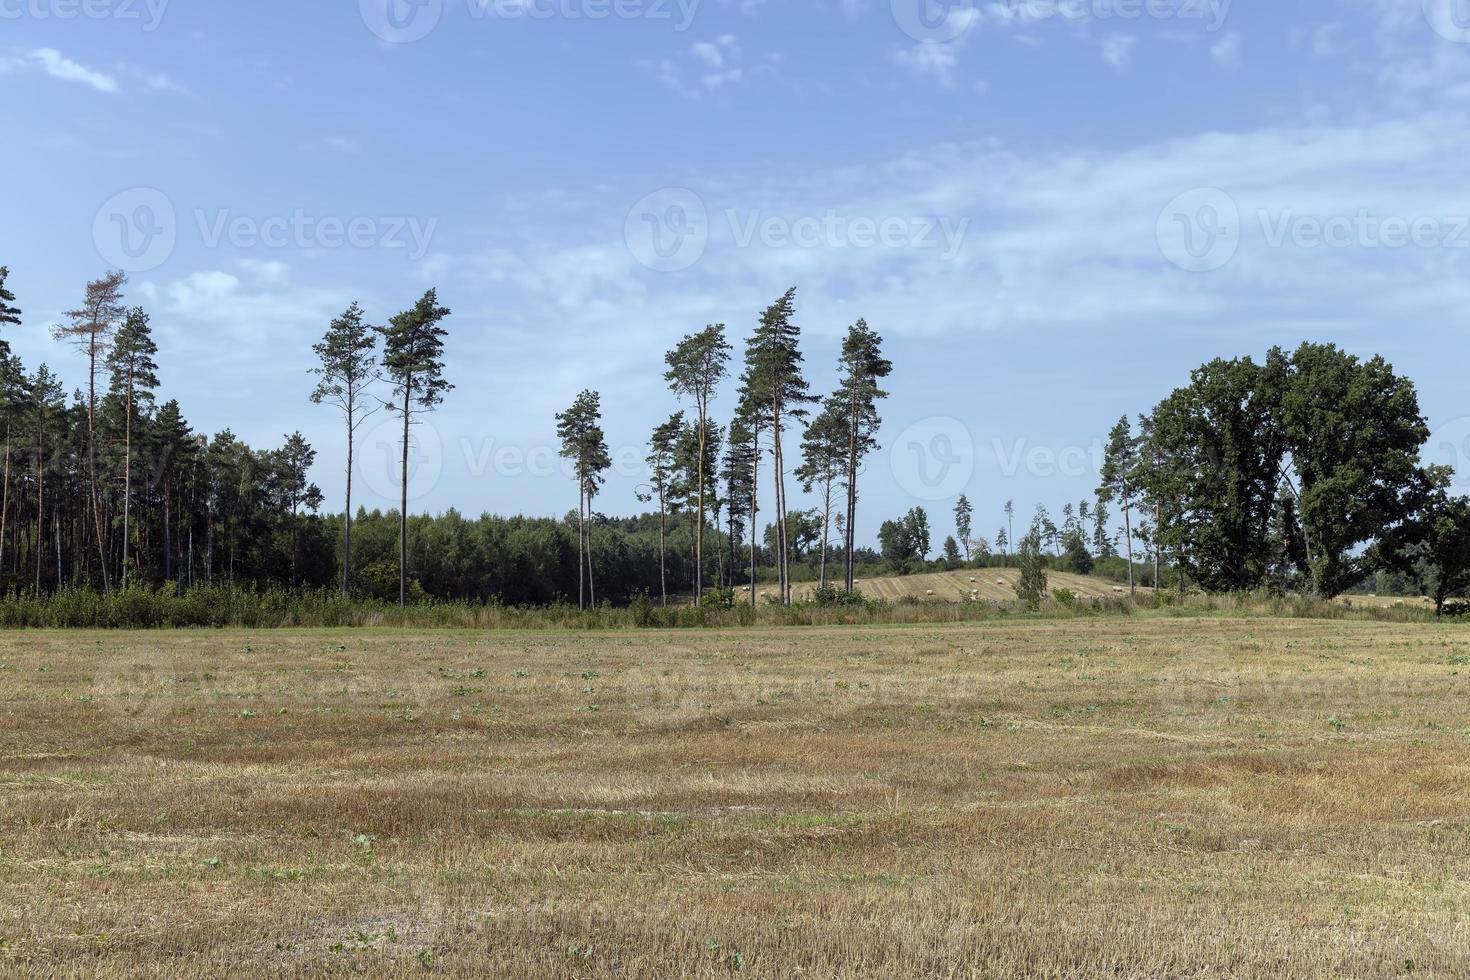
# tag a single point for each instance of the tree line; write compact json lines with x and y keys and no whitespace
{"x":1298,"y":473}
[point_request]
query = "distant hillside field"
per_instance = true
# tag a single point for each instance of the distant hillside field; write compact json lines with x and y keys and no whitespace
{"x":992,"y":584}
{"x":999,"y":585}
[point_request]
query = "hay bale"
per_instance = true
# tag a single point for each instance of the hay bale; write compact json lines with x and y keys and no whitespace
{"x":930,"y":592}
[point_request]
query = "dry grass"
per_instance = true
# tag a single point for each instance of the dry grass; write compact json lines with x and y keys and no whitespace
{"x":1130,"y":798}
{"x":983,"y":584}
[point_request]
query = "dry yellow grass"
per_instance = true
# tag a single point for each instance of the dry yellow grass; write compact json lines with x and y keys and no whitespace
{"x":1129,"y":798}
{"x":982,"y":584}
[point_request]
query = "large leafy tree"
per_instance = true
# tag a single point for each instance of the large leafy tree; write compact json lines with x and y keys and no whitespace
{"x":413,"y":359}
{"x":1433,"y":546}
{"x":346,"y":371}
{"x":697,"y":365}
{"x":861,"y":367}
{"x":917,"y":524}
{"x":1353,"y":430}
{"x":773,"y":370}
{"x":1220,"y":448}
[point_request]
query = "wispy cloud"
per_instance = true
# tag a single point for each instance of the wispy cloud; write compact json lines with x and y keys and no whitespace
{"x":1117,"y":50}
{"x":56,"y":65}
{"x":1226,"y":51}
{"x":707,"y":66}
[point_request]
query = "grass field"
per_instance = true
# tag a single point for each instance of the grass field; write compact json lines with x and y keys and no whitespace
{"x":983,"y":584}
{"x":1129,"y":797}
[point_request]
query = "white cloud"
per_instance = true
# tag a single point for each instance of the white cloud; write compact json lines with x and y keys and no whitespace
{"x":1226,"y":52}
{"x":1117,"y":50}
{"x":54,"y":64}
{"x":938,"y":59}
{"x":717,"y":64}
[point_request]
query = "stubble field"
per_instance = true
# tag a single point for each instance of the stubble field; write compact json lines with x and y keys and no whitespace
{"x":1141,"y":797}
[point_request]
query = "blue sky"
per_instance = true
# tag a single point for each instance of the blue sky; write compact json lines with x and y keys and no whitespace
{"x":1051,"y":210}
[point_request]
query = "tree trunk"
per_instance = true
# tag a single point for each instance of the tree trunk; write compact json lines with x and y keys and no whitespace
{"x":1128,"y":532}
{"x":591,"y":585}
{"x":849,"y":538}
{"x":92,"y":352}
{"x":755,"y":469}
{"x":127,"y":480}
{"x":581,"y":537}
{"x":347,"y":512}
{"x":699,"y":524}
{"x":403,"y":508}
{"x":782,"y":549}
{"x":826,"y":531}
{"x":40,"y":507}
{"x":5,"y":501}
{"x":1158,"y":546}
{"x":663,"y":582}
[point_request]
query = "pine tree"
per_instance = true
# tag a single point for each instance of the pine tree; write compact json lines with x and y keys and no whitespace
{"x":413,"y":358}
{"x":47,"y":402}
{"x":660,"y":460}
{"x":347,"y":371}
{"x":738,"y":474}
{"x":861,"y":367}
{"x":824,"y":465}
{"x":9,"y":315}
{"x":134,"y":377}
{"x":697,"y":365}
{"x":582,"y":442}
{"x":749,"y":419}
{"x":1117,"y":481}
{"x":773,"y":359}
{"x":963,"y":517}
{"x":90,"y":329}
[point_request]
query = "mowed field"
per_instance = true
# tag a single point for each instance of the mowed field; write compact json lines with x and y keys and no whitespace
{"x":1122,"y":797}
